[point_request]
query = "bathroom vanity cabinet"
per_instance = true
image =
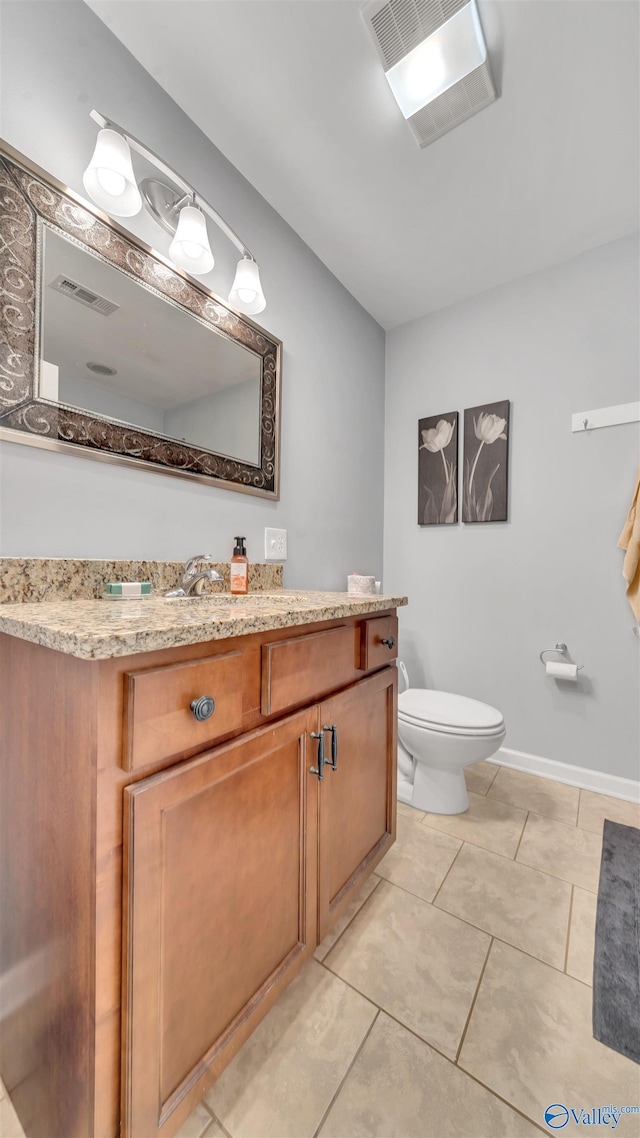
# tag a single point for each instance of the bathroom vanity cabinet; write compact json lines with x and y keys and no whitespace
{"x":165,"y":876}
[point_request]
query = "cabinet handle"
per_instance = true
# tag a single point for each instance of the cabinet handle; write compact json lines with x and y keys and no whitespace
{"x":203,"y":708}
{"x":319,"y":770}
{"x":333,"y":761}
{"x":390,"y":641}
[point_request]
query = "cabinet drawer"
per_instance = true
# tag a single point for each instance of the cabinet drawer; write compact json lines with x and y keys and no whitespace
{"x":298,"y":670}
{"x":159,"y":719}
{"x":373,"y":651}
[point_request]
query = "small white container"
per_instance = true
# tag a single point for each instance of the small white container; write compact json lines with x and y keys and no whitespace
{"x":361,"y":586}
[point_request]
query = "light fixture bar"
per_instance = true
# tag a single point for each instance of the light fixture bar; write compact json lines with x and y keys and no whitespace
{"x":165,"y":169}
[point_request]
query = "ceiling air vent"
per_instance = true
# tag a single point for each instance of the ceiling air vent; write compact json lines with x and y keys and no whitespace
{"x":398,"y":27}
{"x":84,"y":295}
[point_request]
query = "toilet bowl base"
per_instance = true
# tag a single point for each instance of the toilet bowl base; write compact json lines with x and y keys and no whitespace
{"x":439,"y":791}
{"x":405,"y":790}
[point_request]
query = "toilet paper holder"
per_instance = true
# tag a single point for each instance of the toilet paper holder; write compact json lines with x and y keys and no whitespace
{"x":561,"y":649}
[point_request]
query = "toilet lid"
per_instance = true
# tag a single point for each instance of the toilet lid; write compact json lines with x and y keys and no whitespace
{"x":446,"y":709}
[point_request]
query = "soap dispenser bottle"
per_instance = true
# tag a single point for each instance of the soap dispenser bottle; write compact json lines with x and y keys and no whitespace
{"x":239,"y":567}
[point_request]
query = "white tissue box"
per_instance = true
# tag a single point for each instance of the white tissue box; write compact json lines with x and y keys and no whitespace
{"x":359,"y":585}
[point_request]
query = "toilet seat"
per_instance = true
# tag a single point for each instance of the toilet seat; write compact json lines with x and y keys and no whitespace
{"x":448,"y":713}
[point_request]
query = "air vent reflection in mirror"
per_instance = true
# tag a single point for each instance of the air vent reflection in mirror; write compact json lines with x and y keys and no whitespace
{"x":75,"y":291}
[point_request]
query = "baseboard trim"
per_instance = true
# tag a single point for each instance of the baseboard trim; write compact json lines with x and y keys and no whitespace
{"x":599,"y":781}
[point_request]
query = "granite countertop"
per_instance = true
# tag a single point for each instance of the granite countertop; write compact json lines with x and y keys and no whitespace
{"x":100,"y":629}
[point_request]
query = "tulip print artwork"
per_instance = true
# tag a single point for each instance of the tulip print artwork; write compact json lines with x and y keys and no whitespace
{"x":438,"y":469}
{"x":486,"y":448}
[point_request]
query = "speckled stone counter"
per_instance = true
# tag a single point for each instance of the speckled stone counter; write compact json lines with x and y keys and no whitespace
{"x":100,"y":630}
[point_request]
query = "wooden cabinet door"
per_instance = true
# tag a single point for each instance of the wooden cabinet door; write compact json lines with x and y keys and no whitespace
{"x":357,"y":801}
{"x":220,"y":910}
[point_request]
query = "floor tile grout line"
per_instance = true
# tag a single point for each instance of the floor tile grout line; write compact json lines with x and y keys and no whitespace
{"x":417,"y":896}
{"x":214,"y":1118}
{"x":208,"y":1108}
{"x":347,"y":1072}
{"x":548,"y":872}
{"x":208,"y":1130}
{"x":517,"y":947}
{"x":455,"y":858}
{"x":524,"y":864}
{"x":556,"y":782}
{"x":519,"y":806}
{"x":433,"y":1047}
{"x":473,"y":1002}
{"x":401,"y":813}
{"x":494,"y":1094}
{"x":578,"y":807}
{"x":556,"y":877}
{"x":566,"y":950}
{"x":350,"y":985}
{"x":395,"y":1019}
{"x":561,"y":822}
{"x":469,"y":924}
{"x":476,"y":845}
{"x":515,"y":856}
{"x":349,"y":923}
{"x":497,"y":772}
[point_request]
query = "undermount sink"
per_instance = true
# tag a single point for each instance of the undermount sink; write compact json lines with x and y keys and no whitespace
{"x":224,"y":599}
{"x":204,"y":598}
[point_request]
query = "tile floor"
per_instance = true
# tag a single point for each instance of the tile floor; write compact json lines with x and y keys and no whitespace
{"x":453,"y":999}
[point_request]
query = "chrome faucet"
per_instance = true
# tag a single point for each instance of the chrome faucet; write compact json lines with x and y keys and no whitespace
{"x":194,"y":576}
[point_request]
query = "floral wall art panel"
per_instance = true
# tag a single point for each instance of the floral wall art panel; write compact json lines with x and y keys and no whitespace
{"x":485,"y":463}
{"x":438,"y":469}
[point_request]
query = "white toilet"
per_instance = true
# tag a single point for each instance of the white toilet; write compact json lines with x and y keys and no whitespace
{"x":439,"y":734}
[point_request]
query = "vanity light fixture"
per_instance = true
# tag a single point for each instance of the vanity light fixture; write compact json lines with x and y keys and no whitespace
{"x":246,"y":290}
{"x":109,"y":179}
{"x":435,"y":61}
{"x":190,"y":247}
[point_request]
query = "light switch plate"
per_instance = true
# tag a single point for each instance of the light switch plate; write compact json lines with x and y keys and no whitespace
{"x":275,"y":545}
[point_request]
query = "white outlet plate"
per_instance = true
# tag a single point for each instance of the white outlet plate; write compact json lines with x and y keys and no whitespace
{"x":275,"y":545}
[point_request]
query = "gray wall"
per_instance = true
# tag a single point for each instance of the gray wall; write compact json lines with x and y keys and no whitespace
{"x":227,"y":421}
{"x":93,"y":397}
{"x":485,"y":599}
{"x":58,"y":61}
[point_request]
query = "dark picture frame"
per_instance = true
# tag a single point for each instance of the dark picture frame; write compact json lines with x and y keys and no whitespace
{"x":438,"y":469}
{"x":485,"y":487}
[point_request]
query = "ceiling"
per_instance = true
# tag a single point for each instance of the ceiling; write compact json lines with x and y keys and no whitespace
{"x":293,"y":94}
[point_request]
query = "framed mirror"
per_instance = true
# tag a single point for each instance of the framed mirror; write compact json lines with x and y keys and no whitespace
{"x":107,"y":350}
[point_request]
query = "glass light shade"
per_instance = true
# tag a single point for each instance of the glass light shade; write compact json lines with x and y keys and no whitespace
{"x":190,"y":247}
{"x":456,"y":49}
{"x":246,"y":291}
{"x":109,"y":177}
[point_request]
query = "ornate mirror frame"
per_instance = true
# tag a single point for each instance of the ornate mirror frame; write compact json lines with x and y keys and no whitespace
{"x":29,"y":197}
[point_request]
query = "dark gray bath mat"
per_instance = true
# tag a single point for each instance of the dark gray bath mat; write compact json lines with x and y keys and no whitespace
{"x":616,"y":966}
